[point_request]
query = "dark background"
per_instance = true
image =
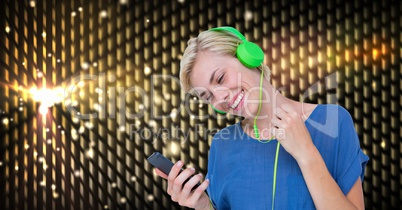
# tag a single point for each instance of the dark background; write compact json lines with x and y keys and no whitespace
{"x":345,"y":52}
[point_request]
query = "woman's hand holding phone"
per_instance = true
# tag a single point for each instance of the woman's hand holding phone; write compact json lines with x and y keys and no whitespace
{"x":181,"y":185}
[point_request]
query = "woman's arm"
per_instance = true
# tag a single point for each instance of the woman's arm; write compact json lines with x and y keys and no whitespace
{"x":296,"y":140}
{"x":324,"y":190}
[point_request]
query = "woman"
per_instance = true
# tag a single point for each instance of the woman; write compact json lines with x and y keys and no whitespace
{"x":284,"y":154}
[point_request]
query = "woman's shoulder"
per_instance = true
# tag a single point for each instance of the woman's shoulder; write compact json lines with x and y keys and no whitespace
{"x":329,"y":110}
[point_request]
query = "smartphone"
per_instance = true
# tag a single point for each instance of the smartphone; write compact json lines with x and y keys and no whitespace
{"x":165,"y":165}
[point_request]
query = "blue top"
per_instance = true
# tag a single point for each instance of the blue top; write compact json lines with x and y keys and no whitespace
{"x":240,"y":168}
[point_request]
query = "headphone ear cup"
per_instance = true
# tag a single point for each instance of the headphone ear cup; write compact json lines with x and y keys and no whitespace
{"x":217,"y":110}
{"x":250,"y":54}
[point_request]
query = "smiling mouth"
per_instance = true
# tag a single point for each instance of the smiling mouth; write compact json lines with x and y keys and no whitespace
{"x":237,"y":101}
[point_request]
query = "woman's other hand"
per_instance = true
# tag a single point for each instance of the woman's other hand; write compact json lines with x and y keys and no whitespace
{"x":183,"y":194}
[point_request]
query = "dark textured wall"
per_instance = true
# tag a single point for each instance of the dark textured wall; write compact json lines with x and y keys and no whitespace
{"x":120,"y":61}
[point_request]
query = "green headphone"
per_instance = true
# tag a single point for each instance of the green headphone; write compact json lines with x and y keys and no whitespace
{"x":248,"y":53}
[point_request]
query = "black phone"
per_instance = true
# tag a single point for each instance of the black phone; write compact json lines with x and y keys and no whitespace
{"x":165,"y":165}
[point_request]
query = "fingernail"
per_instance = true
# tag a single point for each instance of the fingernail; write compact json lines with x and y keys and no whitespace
{"x":179,"y":163}
{"x":192,"y":169}
{"x":206,"y":180}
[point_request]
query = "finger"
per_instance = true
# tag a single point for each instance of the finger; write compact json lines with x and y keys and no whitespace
{"x":200,"y":190}
{"x":180,"y":179}
{"x":277,"y":123}
{"x":188,"y":186}
{"x":160,"y":173}
{"x":281,"y":114}
{"x":173,"y":174}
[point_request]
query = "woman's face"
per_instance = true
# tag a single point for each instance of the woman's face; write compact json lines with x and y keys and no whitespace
{"x":226,"y":83}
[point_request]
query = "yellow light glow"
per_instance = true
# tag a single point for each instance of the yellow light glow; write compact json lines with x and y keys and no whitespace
{"x":5,"y":121}
{"x":375,"y":54}
{"x":43,"y":109}
{"x":347,"y":56}
{"x":8,"y":29}
{"x":47,"y":97}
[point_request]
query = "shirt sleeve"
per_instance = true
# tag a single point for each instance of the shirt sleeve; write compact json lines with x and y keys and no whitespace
{"x":351,"y":161}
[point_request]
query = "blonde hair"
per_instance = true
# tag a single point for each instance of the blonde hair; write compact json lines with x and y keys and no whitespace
{"x":219,"y":42}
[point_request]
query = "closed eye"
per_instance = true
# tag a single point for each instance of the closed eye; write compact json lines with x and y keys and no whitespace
{"x":220,"y":79}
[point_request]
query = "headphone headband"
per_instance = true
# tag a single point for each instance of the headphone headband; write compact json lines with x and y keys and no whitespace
{"x":249,"y":54}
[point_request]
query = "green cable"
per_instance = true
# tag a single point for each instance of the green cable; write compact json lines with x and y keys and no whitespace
{"x":257,"y":135}
{"x":275,"y":169}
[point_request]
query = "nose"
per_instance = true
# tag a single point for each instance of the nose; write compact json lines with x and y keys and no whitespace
{"x":221,"y":96}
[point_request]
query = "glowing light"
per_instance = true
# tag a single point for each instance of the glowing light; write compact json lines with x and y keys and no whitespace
{"x":347,"y":56}
{"x":248,"y":15}
{"x":181,"y":1}
{"x":43,"y":109}
{"x":147,"y":20}
{"x":16,"y":168}
{"x":5,"y":121}
{"x":40,"y":160}
{"x":85,"y":65}
{"x":74,"y":134}
{"x":1,"y":163}
{"x":80,"y":9}
{"x":26,"y":146}
{"x":383,"y":144}
{"x":49,"y":55}
{"x":55,"y":195}
{"x":77,"y":173}
{"x":53,"y":186}
{"x":123,"y":2}
{"x":73,"y":13}
{"x":106,"y":207}
{"x":92,"y":144}
{"x":103,"y":14}
{"x":49,"y":141}
{"x":147,"y":70}
{"x":89,"y":125}
{"x":42,"y":183}
{"x":122,"y":128}
{"x":95,"y":64}
{"x":89,"y":153}
{"x":133,"y":179}
{"x":375,"y":54}
{"x":57,"y":149}
{"x":58,"y":60}
{"x":43,"y":34}
{"x":174,"y":148}
{"x":47,"y":97}
{"x":167,"y":96}
{"x":123,"y":200}
{"x":81,"y":130}
{"x":114,"y":185}
{"x":32,"y":3}
{"x":173,"y":114}
{"x":39,"y":74}
{"x":150,"y":198}
{"x":8,"y":29}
